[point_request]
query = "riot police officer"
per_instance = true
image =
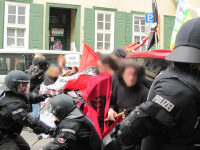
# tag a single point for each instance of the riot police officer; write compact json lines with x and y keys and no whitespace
{"x":15,"y":105}
{"x":74,"y":131}
{"x":169,"y":119}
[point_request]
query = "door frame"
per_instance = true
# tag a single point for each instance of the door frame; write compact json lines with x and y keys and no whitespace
{"x":77,"y":22}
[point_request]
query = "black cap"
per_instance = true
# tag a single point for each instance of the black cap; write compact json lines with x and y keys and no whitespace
{"x":187,"y":45}
{"x":119,"y":52}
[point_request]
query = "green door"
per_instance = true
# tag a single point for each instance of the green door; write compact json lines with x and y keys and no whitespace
{"x":1,"y":22}
{"x":168,"y":28}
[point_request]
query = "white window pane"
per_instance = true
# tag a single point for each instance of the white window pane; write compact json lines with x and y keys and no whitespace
{"x":100,"y":45}
{"x":20,"y":33}
{"x":100,"y":17}
{"x":21,"y":10}
{"x":20,"y":42}
{"x":11,"y":9}
{"x":100,"y":25}
{"x":107,"y":46}
{"x":143,"y":48}
{"x":136,"y":28}
{"x":137,"y":39}
{"x":11,"y":32}
{"x":21,"y":19}
{"x":11,"y":19}
{"x":107,"y":37}
{"x":107,"y":26}
{"x":142,"y":28}
{"x":108,"y":18}
{"x":10,"y":42}
{"x":136,"y":20}
{"x":99,"y":37}
{"x":142,"y":21}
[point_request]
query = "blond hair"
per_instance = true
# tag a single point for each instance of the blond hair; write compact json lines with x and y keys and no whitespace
{"x":41,"y":56}
{"x":62,"y":57}
{"x":52,"y":71}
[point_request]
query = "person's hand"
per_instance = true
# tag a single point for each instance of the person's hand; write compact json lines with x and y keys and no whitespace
{"x":111,"y":114}
{"x":123,"y":116}
{"x":45,"y":95}
{"x":48,"y":130}
{"x":73,"y":69}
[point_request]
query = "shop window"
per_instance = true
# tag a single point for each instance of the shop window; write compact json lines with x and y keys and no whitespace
{"x":16,"y":25}
{"x":139,"y":30}
{"x":104,"y":30}
{"x":57,"y":18}
{"x":148,"y":63}
{"x":154,"y":67}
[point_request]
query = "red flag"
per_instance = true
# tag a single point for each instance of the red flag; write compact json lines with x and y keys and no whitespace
{"x":98,"y":96}
{"x":134,"y":46}
{"x":88,"y":58}
{"x":79,"y":83}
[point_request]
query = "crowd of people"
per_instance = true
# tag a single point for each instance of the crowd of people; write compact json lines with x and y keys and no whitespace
{"x":162,"y":118}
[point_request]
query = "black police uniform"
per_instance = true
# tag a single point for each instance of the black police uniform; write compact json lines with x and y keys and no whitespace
{"x":75,"y":132}
{"x":14,"y":114}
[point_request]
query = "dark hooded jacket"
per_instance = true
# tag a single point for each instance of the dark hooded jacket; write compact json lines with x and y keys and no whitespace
{"x":37,"y":75}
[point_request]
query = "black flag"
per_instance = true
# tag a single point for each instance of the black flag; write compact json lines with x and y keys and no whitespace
{"x":151,"y":40}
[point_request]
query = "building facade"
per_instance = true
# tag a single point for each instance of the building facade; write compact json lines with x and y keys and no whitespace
{"x":63,"y":24}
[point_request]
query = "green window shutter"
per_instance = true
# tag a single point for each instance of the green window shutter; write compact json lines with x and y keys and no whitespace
{"x":1,"y":23}
{"x":89,"y":27}
{"x":36,"y":26}
{"x":168,"y":28}
{"x":153,"y":47}
{"x":120,"y":19}
{"x":128,"y":30}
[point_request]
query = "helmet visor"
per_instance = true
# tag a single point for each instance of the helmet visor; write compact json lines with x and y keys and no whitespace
{"x":47,"y":108}
{"x":23,"y":87}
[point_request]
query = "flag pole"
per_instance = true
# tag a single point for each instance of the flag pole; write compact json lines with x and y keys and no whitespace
{"x":156,"y":41}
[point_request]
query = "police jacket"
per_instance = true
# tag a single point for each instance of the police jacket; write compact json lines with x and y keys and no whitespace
{"x":174,"y":102}
{"x":75,"y":132}
{"x":14,"y":111}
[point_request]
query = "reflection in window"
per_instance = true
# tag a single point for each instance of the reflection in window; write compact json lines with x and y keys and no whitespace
{"x":147,"y":63}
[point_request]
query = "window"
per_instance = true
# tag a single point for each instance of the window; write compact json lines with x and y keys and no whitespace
{"x":104,"y":31}
{"x":139,"y":30}
{"x":16,"y":25}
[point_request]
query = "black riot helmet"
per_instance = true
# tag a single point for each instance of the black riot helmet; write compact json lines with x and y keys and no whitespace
{"x":62,"y":105}
{"x":16,"y":81}
{"x":187,"y":44}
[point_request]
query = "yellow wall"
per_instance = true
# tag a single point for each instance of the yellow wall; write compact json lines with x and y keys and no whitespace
{"x":165,"y":7}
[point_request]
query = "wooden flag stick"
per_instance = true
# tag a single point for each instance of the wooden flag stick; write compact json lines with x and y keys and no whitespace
{"x":35,"y":142}
{"x":117,"y":115}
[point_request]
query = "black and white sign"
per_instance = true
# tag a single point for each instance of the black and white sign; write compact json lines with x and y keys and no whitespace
{"x":72,"y":60}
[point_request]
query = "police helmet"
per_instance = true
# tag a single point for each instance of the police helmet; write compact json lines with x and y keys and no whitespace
{"x":16,"y":81}
{"x":187,"y":45}
{"x":62,"y":105}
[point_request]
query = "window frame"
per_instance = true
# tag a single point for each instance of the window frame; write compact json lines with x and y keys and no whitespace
{"x":138,"y":34}
{"x":112,"y":31}
{"x":17,"y":26}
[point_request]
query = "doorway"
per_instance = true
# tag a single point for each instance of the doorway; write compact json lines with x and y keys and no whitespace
{"x":62,"y":27}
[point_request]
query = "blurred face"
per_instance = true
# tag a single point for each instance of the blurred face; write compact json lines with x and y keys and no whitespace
{"x":57,"y":74}
{"x":23,"y":88}
{"x":101,"y":67}
{"x":56,"y":118}
{"x":61,"y":60}
{"x":37,"y":56}
{"x":129,"y":77}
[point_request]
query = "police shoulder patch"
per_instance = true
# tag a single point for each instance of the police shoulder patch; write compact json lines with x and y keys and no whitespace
{"x":17,"y":111}
{"x":61,"y":140}
{"x":166,"y":104}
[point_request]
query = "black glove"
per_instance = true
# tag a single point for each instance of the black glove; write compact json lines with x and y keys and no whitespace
{"x":39,"y":130}
{"x":45,"y":95}
{"x":128,"y":111}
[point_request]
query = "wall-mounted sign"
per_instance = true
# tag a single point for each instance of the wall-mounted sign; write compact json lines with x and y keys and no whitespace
{"x":72,"y":59}
{"x":57,"y":32}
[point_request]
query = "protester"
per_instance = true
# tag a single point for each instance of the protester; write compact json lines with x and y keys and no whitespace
{"x":129,"y":91}
{"x":51,"y":76}
{"x":39,"y":55}
{"x":169,"y":119}
{"x":119,"y":52}
{"x":65,"y":71}
{"x":74,"y":130}
{"x":15,"y":106}
{"x":36,"y":76}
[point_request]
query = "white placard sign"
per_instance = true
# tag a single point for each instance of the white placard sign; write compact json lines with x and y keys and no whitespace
{"x":72,"y":59}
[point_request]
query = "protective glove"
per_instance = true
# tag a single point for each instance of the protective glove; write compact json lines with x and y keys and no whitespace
{"x":39,"y":130}
{"x":45,"y":95}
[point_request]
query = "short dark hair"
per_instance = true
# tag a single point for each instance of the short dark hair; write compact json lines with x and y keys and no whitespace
{"x":107,"y":59}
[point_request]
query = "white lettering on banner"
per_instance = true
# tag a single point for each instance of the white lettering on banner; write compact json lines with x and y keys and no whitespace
{"x":72,"y":59}
{"x":17,"y":111}
{"x":163,"y":102}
